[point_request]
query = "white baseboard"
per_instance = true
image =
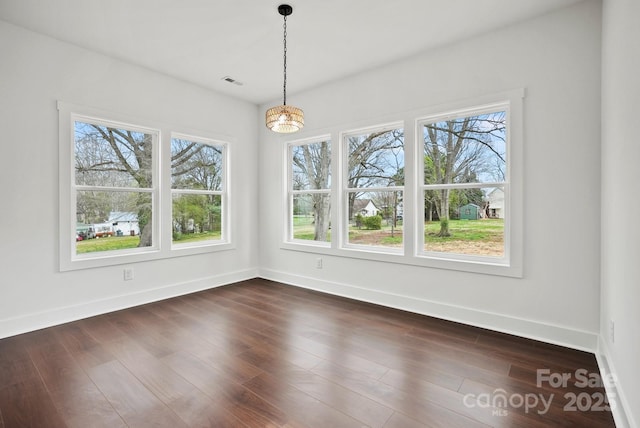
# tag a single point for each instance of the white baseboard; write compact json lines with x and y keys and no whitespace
{"x":61,"y":315}
{"x":558,"y":335}
{"x":531,"y":329}
{"x":607,"y":371}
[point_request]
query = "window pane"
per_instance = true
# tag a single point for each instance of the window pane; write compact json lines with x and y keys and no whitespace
{"x":196,"y":218}
{"x":312,"y":217}
{"x":108,"y":221}
{"x":196,"y":165}
{"x":376,"y":159}
{"x":474,"y":224}
{"x":114,"y":157}
{"x":375,"y":218}
{"x":311,"y":165}
{"x":465,"y":150}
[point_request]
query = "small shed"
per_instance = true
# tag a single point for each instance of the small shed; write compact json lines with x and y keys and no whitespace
{"x":470,"y":212}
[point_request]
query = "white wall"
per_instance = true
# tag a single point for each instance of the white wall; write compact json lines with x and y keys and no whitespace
{"x":556,"y":57}
{"x":621,"y":194}
{"x":35,"y":72}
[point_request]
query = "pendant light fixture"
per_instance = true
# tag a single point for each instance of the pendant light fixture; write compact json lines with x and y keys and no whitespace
{"x":284,"y":118}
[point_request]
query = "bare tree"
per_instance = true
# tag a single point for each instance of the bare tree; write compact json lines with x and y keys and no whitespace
{"x":131,"y":155}
{"x":458,"y":149}
{"x":375,"y":160}
{"x":119,"y":158}
{"x":197,"y":165}
{"x":312,"y":170}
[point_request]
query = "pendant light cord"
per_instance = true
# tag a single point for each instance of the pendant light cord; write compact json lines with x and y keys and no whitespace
{"x":284,"y":119}
{"x":284,"y":86}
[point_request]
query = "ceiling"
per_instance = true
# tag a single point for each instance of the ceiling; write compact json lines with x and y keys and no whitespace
{"x":202,"y":41}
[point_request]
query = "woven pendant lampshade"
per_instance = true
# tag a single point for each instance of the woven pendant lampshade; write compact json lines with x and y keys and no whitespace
{"x":284,"y":118}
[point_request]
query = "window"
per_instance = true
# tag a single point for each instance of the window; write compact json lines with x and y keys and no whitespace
{"x":446,"y":195}
{"x":197,"y":190}
{"x":464,"y":183}
{"x":374,"y":180}
{"x":132,"y":192}
{"x":310,"y":191}
{"x":115,"y":186}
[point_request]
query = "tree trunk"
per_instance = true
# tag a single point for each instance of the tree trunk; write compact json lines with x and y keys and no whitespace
{"x":145,"y":235}
{"x":144,"y":220}
{"x":444,"y":213}
{"x":322,"y":216}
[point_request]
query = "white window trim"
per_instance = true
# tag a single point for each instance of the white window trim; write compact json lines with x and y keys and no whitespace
{"x":224,"y":238}
{"x":512,"y":266}
{"x":342,"y":181}
{"x":457,"y":114}
{"x":290,"y":193}
{"x":161,"y":248}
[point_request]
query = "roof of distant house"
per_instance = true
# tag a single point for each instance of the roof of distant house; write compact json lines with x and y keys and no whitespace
{"x":360,"y":204}
{"x":122,"y":216}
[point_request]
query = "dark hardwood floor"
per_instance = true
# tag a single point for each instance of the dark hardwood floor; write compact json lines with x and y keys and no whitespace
{"x":263,"y":354}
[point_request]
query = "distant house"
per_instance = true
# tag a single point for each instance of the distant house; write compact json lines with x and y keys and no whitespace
{"x":365,"y":207}
{"x":495,"y":198}
{"x":124,"y":223}
{"x":470,"y":212}
{"x":400,"y":210}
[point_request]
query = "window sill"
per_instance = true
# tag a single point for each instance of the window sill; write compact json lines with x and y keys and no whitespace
{"x":122,"y":258}
{"x":446,"y":261}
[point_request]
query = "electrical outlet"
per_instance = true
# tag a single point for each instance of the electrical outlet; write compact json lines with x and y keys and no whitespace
{"x":612,"y":331}
{"x":319,"y":263}
{"x":128,"y":274}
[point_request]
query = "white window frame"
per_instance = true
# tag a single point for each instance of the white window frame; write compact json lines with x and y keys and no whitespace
{"x":162,"y":246}
{"x":222,"y":193}
{"x":413,"y":202}
{"x":504,"y":185}
{"x":344,"y":155}
{"x":291,"y":193}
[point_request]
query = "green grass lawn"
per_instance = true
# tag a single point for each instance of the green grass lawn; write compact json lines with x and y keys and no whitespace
{"x":195,"y":237}
{"x":126,"y":242}
{"x":476,"y":237}
{"x":480,"y":237}
{"x":107,"y":244}
{"x":303,"y":228}
{"x":465,"y":230}
{"x":385,"y":237}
